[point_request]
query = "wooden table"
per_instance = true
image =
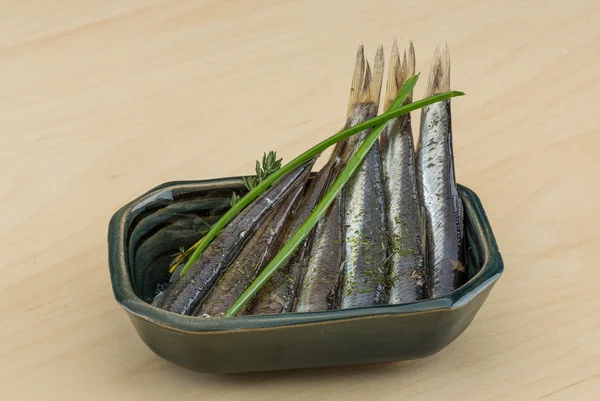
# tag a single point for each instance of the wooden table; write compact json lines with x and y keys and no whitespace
{"x":102,"y":100}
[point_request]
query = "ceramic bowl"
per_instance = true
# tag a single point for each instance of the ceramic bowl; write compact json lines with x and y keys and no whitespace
{"x":144,"y":234}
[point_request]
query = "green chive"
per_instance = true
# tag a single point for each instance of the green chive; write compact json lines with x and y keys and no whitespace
{"x":299,"y":160}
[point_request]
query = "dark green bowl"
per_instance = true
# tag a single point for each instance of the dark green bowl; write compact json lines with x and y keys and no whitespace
{"x":145,"y":233}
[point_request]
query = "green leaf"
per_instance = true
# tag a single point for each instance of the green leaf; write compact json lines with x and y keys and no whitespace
{"x":234,"y":199}
{"x":250,"y":182}
{"x":258,"y":169}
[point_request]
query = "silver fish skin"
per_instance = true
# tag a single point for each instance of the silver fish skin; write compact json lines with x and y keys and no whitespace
{"x":184,"y":295}
{"x":437,"y":187}
{"x":320,"y":279}
{"x":279,"y":293}
{"x":365,"y":236}
{"x":406,"y":279}
{"x":251,"y":260}
{"x":318,"y":291}
{"x":320,"y":283}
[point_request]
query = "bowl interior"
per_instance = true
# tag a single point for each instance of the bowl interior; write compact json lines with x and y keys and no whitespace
{"x":165,"y":228}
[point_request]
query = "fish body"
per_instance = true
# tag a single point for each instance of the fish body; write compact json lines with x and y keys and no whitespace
{"x":321,"y":279}
{"x":363,"y":209}
{"x":279,"y":293}
{"x":365,"y":236}
{"x":185,"y":294}
{"x":251,"y":260}
{"x":406,"y":279}
{"x":437,"y":187}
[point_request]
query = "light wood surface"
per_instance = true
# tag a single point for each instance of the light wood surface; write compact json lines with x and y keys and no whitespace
{"x":102,"y":100}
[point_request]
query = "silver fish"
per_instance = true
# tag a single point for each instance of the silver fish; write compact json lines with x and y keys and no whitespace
{"x":186,"y":293}
{"x":321,"y":281}
{"x":365,"y":236}
{"x":406,"y":280}
{"x":279,"y":293}
{"x":251,"y":260}
{"x":437,"y":186}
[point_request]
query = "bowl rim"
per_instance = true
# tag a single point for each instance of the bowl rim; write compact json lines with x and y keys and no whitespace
{"x":489,"y":273}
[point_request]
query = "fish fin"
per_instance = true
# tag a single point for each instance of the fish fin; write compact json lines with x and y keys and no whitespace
{"x":399,"y":72}
{"x":363,"y":96}
{"x":373,"y":92}
{"x":424,"y":250}
{"x":392,"y":85}
{"x":439,"y":76}
{"x":401,"y":75}
{"x":357,"y":78}
{"x":366,"y":83}
{"x":409,"y":68}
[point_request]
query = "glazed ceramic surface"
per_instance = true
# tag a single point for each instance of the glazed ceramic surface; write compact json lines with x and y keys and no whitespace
{"x":144,"y":235}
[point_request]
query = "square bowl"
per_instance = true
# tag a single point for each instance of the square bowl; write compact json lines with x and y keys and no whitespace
{"x":144,"y":234}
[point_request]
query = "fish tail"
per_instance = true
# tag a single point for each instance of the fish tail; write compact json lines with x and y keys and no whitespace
{"x":398,"y":73}
{"x":357,"y":78}
{"x":373,"y":92}
{"x":366,"y":83}
{"x":409,"y":68}
{"x":393,"y":84}
{"x":439,"y":76}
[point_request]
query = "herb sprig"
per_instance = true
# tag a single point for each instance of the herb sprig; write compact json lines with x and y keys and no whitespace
{"x":184,"y":254}
{"x":270,"y":164}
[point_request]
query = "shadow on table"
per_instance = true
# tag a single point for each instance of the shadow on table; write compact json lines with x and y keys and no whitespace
{"x":365,"y":371}
{"x":323,"y":374}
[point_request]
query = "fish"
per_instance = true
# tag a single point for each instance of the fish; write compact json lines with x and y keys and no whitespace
{"x":318,"y":291}
{"x":251,"y":260}
{"x":365,"y":236}
{"x":289,"y":288}
{"x":279,"y":293}
{"x":184,"y":294}
{"x":437,"y":188}
{"x":322,"y":279}
{"x":406,"y":271}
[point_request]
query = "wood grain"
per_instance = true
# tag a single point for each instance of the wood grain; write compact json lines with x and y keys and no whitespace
{"x":102,"y":100}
